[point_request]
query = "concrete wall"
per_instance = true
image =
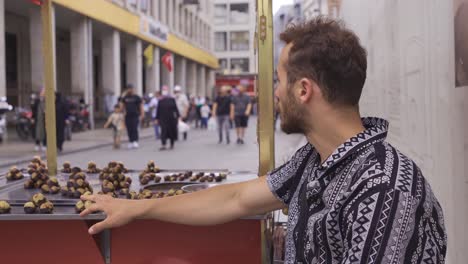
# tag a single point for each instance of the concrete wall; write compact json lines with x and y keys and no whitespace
{"x":411,"y":83}
{"x":63,"y":62}
{"x":18,"y":26}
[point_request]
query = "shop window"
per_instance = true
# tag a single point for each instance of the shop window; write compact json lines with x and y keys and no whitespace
{"x":239,"y":14}
{"x":240,"y":65}
{"x":239,"y":40}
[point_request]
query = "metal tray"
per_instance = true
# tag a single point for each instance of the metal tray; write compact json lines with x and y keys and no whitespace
{"x":15,"y":194}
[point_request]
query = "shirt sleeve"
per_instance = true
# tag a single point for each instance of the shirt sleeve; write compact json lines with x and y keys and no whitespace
{"x":284,"y":180}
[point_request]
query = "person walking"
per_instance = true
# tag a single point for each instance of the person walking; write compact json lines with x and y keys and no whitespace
{"x":61,"y":119}
{"x":205,"y":115}
{"x":116,"y":120}
{"x":183,"y":105}
{"x":134,"y":113}
{"x":221,"y":109}
{"x":153,"y":105}
{"x":199,"y":102}
{"x":38,"y":120}
{"x":241,"y":106}
{"x":167,"y":116}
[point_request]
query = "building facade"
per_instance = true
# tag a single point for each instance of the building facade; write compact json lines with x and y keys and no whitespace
{"x":233,"y":36}
{"x":102,"y":45}
{"x":313,"y":8}
{"x":285,"y":15}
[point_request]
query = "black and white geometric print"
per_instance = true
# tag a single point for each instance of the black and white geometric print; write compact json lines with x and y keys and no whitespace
{"x":367,"y":203}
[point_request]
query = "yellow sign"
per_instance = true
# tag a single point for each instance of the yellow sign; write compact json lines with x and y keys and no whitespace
{"x":128,"y":22}
{"x":148,"y":53}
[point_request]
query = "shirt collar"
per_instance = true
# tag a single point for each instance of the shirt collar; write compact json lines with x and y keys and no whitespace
{"x":375,"y":131}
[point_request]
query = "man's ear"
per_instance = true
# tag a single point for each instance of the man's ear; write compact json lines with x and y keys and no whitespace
{"x":306,"y":89}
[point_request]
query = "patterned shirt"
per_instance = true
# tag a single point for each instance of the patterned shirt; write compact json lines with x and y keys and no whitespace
{"x":367,"y":203}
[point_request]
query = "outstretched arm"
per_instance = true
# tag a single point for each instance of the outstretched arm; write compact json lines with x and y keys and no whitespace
{"x":208,"y":207}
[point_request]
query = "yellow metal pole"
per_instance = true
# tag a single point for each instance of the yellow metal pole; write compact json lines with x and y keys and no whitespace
{"x":265,"y":130}
{"x":48,"y":50}
{"x":265,"y":86}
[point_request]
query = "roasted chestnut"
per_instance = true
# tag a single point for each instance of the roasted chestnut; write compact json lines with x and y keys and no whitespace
{"x":28,"y":184}
{"x":29,"y":208}
{"x":5,"y":207}
{"x":54,"y":189}
{"x":46,"y":208}
{"x":132,"y":195}
{"x":45,"y":188}
{"x":79,"y":206}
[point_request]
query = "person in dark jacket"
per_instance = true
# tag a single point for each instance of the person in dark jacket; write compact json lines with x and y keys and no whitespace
{"x":61,"y":116}
{"x":167,"y":116}
{"x":38,"y":121}
{"x":134,"y":114}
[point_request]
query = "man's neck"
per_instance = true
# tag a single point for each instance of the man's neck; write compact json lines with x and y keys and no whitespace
{"x":333,"y":131}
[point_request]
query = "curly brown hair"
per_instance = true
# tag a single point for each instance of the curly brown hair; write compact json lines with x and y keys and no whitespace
{"x":328,"y":53}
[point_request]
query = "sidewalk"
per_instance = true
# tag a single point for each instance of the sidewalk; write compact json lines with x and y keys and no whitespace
{"x":14,"y":151}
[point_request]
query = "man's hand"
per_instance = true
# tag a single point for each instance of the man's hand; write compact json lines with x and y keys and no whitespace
{"x":118,"y":211}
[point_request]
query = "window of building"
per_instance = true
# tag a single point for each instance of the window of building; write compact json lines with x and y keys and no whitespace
{"x":220,"y":41}
{"x":132,"y":3}
{"x":220,"y":14}
{"x":239,"y":14}
{"x":239,"y":40}
{"x":181,"y":14}
{"x":240,"y":65}
{"x":144,"y":5}
{"x":223,"y":64}
{"x":187,"y":22}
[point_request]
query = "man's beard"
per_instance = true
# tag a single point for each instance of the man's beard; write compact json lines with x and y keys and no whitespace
{"x":291,"y":116}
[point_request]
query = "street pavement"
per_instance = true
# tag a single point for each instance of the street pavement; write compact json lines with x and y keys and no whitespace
{"x":200,"y":151}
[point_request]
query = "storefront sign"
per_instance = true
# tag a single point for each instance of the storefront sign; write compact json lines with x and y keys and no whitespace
{"x":153,"y":29}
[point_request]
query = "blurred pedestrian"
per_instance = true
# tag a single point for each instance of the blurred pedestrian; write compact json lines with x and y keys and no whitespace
{"x":221,"y":108}
{"x":116,"y":121}
{"x":199,"y":102}
{"x":192,"y":116}
{"x":205,"y":115}
{"x":38,"y":120}
{"x":134,"y":113}
{"x":61,"y":118}
{"x":183,"y":105}
{"x":153,"y":106}
{"x":167,"y":116}
{"x":241,"y":106}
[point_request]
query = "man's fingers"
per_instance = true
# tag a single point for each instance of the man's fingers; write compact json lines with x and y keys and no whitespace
{"x":97,"y":228}
{"x":91,"y":209}
{"x":91,"y":197}
{"x":86,"y":212}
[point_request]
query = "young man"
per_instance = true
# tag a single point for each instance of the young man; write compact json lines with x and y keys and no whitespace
{"x":221,"y":111}
{"x":134,"y":113}
{"x":241,"y":105}
{"x":352,"y":197}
